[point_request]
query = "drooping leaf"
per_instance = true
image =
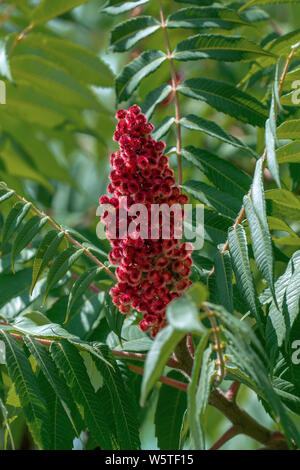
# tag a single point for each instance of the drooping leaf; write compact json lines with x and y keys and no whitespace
{"x":223,"y":270}
{"x":58,"y":385}
{"x":162,"y":347}
{"x":69,"y":361}
{"x":241,"y":265}
{"x":169,"y":414}
{"x":28,"y":391}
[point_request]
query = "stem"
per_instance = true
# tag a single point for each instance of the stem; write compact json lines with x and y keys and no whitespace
{"x":166,"y":380}
{"x":220,"y":363}
{"x":176,"y":97}
{"x":247,"y":425}
{"x":232,"y":432}
{"x":232,"y":392}
{"x":59,"y":229}
{"x":242,"y":422}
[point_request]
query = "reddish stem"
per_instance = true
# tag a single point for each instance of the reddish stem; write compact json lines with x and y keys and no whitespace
{"x":232,"y":432}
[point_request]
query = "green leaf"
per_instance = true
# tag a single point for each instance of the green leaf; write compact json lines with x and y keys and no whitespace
{"x":27,"y":388}
{"x":78,"y":61}
{"x":44,"y":360}
{"x":133,"y":73}
{"x":80,"y":286}
{"x":124,"y":411}
{"x":217,"y":47}
{"x":289,"y":130}
{"x":240,"y":260}
{"x":212,"y":197}
{"x":29,"y":230}
{"x":226,"y":98}
{"x":69,"y":361}
{"x":169,"y":414}
{"x":214,"y":130}
{"x":30,"y":105}
{"x":203,"y":17}
{"x":61,"y":266}
{"x":203,"y":2}
{"x":116,"y":7}
{"x":225,"y":176}
{"x":4,"y":60}
{"x":216,"y":227}
{"x":163,"y":128}
{"x":276,"y":324}
{"x":187,"y":321}
{"x":15,"y":285}
{"x":280,"y":225}
{"x":45,"y":254}
{"x":255,"y":3}
{"x":128,"y":33}
{"x":223,"y":270}
{"x":162,"y":348}
{"x":13,"y":221}
{"x":154,"y":98}
{"x":52,"y":81}
{"x":289,"y":153}
{"x":49,"y":9}
{"x":114,"y":317}
{"x":261,"y":243}
{"x":4,"y":195}
{"x":283,"y":203}
{"x":271,"y":152}
{"x":292,"y":301}
{"x":133,"y":339}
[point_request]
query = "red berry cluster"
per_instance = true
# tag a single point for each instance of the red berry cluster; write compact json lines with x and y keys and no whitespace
{"x":151,"y":272}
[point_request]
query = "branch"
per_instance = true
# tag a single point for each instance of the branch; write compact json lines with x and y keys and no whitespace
{"x":59,"y":229}
{"x":232,"y":432}
{"x":176,"y":97}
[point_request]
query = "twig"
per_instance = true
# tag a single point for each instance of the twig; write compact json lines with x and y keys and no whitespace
{"x":232,"y":432}
{"x":166,"y":380}
{"x":232,"y":392}
{"x":176,"y":97}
